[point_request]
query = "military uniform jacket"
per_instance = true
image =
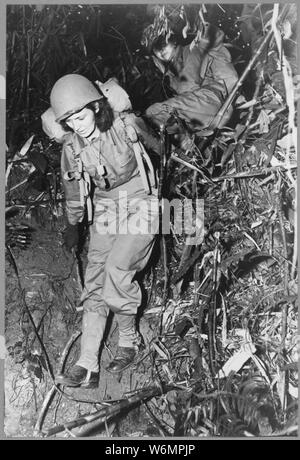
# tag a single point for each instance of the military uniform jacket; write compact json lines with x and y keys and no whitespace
{"x":108,"y":161}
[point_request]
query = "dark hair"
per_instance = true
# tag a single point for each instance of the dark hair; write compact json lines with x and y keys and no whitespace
{"x":104,"y":117}
{"x":161,"y":41}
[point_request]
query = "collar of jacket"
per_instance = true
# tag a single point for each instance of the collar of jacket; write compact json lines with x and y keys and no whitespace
{"x":86,"y":142}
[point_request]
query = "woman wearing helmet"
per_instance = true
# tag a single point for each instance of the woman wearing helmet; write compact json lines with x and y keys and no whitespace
{"x":125,"y":220}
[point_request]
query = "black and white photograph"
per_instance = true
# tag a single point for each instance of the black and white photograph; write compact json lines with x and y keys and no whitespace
{"x":151,"y":223}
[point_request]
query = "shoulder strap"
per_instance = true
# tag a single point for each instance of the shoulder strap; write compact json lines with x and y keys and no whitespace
{"x":132,"y":140}
{"x":81,"y":176}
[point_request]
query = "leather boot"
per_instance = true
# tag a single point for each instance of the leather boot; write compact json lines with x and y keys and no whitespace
{"x":78,"y":377}
{"x":129,"y":343}
{"x":125,"y":357}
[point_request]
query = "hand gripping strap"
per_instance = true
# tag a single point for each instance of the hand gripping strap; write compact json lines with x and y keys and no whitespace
{"x":84,"y":182}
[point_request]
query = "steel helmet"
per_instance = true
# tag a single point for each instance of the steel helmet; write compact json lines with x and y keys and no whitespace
{"x":72,"y":93}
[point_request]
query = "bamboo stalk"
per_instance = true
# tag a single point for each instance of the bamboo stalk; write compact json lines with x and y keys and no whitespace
{"x":284,"y":314}
{"x":288,"y":83}
{"x":230,"y":98}
{"x":295,"y":245}
{"x":162,"y":161}
{"x":99,"y":417}
{"x":166,"y":270}
{"x":161,"y":211}
{"x":212,"y":310}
